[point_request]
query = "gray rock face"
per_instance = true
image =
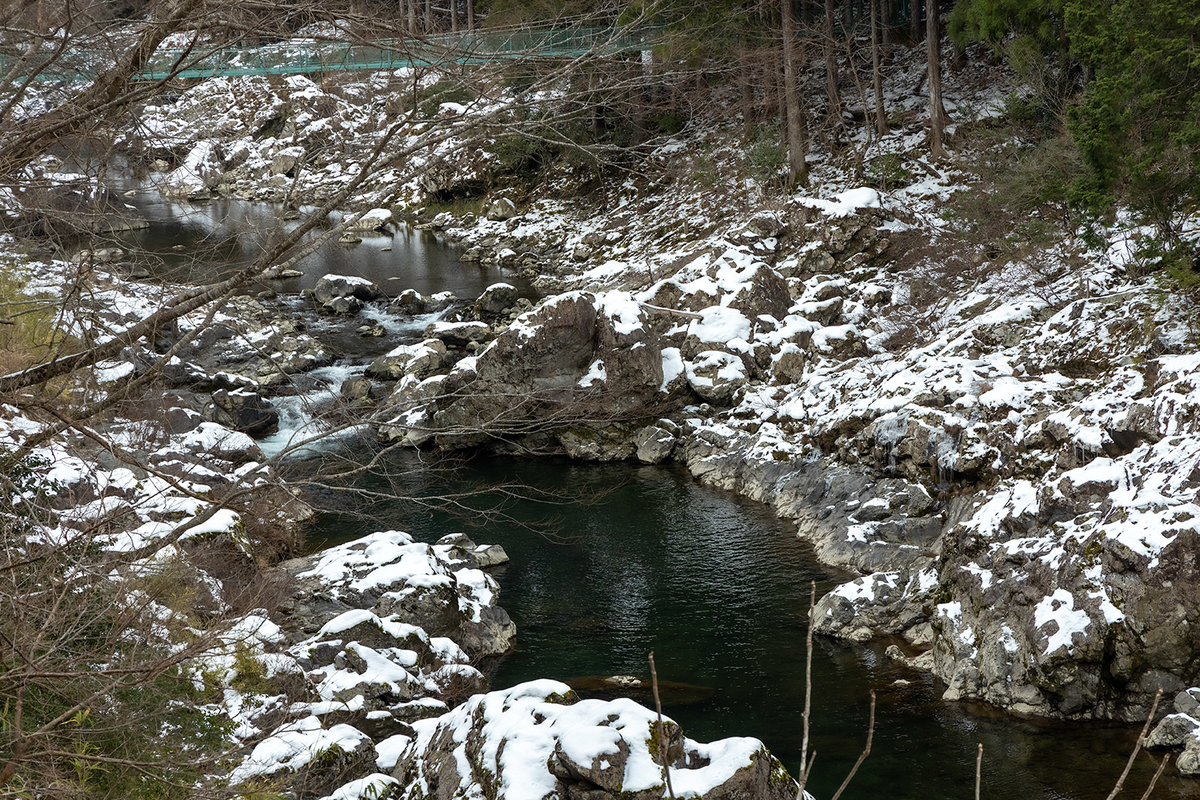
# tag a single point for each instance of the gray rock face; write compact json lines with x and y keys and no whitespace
{"x":611,"y":442}
{"x":356,"y":391}
{"x":284,"y":161}
{"x":577,"y":356}
{"x":1188,"y":762}
{"x":1174,"y":731}
{"x":459,"y":334}
{"x":410,"y":302}
{"x":501,"y":209}
{"x":495,"y":300}
{"x":880,"y":603}
{"x":420,"y":360}
{"x":197,"y":176}
{"x":765,"y":292}
{"x":1103,"y":616}
{"x":823,"y":499}
{"x":716,"y":376}
{"x":373,"y":220}
{"x":656,"y":442}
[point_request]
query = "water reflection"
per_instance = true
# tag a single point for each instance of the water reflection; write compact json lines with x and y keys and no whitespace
{"x":200,"y":242}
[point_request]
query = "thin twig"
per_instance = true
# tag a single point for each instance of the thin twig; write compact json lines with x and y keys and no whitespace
{"x":1162,"y":765}
{"x":805,"y":766}
{"x":812,"y":759}
{"x":978,"y":768}
{"x":1141,"y":740}
{"x":673,"y":312}
{"x":662,"y":736}
{"x":866,"y":750}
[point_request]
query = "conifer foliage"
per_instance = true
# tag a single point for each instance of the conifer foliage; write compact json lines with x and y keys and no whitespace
{"x":1128,"y":77}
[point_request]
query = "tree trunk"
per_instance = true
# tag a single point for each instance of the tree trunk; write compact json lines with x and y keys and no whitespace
{"x":454,"y":16}
{"x":470,"y":15}
{"x":594,"y":103}
{"x":937,"y":114}
{"x":914,"y":21}
{"x":746,"y":71}
{"x":831,"y":65}
{"x":881,"y":124}
{"x":411,"y":7}
{"x":796,"y":129}
{"x":429,"y":16}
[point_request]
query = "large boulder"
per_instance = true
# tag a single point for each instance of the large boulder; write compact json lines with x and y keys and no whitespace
{"x":538,"y":740}
{"x":373,"y":220}
{"x":716,"y":376}
{"x":496,"y":300}
{"x":500,"y":209}
{"x":244,"y":410}
{"x":459,"y":334}
{"x":880,"y":603}
{"x":655,"y":442}
{"x":312,"y":759}
{"x":420,"y":360}
{"x":194,"y":179}
{"x":578,"y":356}
{"x":344,"y":294}
{"x":393,"y":576}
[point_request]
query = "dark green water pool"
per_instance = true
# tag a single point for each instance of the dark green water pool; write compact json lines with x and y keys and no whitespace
{"x":624,"y":561}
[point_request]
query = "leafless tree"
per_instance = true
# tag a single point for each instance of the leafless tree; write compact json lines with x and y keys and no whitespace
{"x":937,"y":113}
{"x":100,"y":692}
{"x":795,"y":109}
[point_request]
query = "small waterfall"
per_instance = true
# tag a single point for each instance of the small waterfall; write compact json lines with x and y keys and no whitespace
{"x":399,"y":326}
{"x":302,"y":416}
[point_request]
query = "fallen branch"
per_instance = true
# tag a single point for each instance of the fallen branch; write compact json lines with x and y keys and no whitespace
{"x":978,"y":768}
{"x":671,"y":312}
{"x":805,"y":760}
{"x":1162,"y":765}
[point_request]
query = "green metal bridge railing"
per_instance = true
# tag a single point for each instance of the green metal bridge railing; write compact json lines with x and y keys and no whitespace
{"x":299,"y":56}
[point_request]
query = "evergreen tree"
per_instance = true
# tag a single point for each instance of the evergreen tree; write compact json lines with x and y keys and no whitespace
{"x":1138,"y":124}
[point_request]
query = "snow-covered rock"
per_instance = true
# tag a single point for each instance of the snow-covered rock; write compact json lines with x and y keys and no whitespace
{"x":392,"y":575}
{"x":538,"y":740}
{"x":344,"y":294}
{"x":373,"y":220}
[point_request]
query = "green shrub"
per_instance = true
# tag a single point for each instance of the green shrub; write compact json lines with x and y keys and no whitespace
{"x":888,"y":172}
{"x":767,"y":154}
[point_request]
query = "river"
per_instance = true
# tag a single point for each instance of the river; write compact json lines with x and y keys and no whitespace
{"x":610,"y":562}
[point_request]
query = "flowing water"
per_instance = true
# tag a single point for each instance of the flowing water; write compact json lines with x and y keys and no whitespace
{"x":612,"y":562}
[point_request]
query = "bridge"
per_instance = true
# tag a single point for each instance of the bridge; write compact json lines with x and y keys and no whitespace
{"x":301,"y":56}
